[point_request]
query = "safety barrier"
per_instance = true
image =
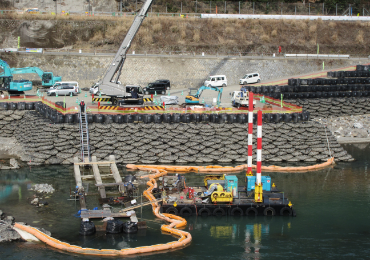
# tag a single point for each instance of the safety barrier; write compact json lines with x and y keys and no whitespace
{"x":229,"y":169}
{"x":54,"y":112}
{"x":176,"y":222}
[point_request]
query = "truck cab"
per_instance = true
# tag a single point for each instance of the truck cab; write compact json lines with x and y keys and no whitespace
{"x":240,"y":98}
{"x":133,"y":96}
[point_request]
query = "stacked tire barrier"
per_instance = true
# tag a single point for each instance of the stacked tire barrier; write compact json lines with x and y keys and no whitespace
{"x":58,"y":118}
{"x":46,"y":143}
{"x":342,"y":93}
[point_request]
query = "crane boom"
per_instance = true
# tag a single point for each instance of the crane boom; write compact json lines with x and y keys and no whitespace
{"x":110,"y":82}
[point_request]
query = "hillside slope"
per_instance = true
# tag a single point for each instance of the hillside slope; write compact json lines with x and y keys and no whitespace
{"x":159,"y":34}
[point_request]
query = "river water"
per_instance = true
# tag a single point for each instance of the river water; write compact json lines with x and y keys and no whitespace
{"x":332,"y":205}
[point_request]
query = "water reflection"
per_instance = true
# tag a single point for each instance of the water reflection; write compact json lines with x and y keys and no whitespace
{"x":331,"y":204}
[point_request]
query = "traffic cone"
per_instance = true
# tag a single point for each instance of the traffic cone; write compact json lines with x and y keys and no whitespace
{"x":169,"y":93}
{"x":99,"y":94}
{"x":56,"y":94}
{"x":85,"y":94}
{"x":70,"y":94}
{"x":77,"y":101}
{"x":155,"y":93}
{"x":182,"y":93}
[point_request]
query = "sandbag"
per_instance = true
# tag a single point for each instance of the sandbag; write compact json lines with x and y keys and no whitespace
{"x":197,"y":118}
{"x":157,"y":118}
{"x":128,"y":118}
{"x":108,"y":119}
{"x":98,"y":118}
{"x":130,"y":227}
{"x":205,"y":118}
{"x":214,"y":118}
{"x":185,"y":118}
{"x":167,"y":118}
{"x":30,"y":106}
{"x":114,"y":226}
{"x":3,"y":106}
{"x":118,"y":119}
{"x":138,"y":118}
{"x":87,"y":228}
{"x":12,"y":106}
{"x":148,"y":118}
{"x":90,"y":118}
{"x":176,"y":118}
{"x":243,"y":118}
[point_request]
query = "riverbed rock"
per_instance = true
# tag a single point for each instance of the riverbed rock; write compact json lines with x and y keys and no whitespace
{"x":7,"y":233}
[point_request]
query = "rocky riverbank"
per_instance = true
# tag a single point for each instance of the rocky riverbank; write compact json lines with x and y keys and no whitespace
{"x":348,"y":126}
{"x":7,"y":232}
{"x":45,"y":143}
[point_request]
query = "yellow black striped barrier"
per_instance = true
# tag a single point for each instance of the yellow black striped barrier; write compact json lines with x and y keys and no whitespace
{"x":148,"y":99}
{"x":101,"y":99}
{"x":153,"y":107}
{"x":109,"y":107}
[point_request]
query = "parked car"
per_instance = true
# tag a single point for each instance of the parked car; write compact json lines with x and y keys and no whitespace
{"x":216,"y":81}
{"x":63,"y":90}
{"x":70,"y":83}
{"x":165,"y":81}
{"x":155,"y":87}
{"x":250,"y":78}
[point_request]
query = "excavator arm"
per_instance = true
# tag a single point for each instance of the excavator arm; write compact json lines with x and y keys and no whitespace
{"x":110,"y":82}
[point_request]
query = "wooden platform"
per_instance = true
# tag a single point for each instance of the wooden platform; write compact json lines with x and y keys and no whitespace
{"x":106,"y":211}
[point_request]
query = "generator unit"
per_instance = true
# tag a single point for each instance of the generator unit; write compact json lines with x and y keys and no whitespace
{"x":231,"y":184}
{"x":265,"y":180}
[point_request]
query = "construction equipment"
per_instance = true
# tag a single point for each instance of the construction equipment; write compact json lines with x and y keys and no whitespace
{"x":110,"y":83}
{"x":8,"y":84}
{"x":194,"y":98}
{"x":240,"y":98}
{"x":47,"y":78}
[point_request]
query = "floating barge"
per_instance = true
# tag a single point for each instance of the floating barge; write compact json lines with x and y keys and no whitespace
{"x":221,"y":196}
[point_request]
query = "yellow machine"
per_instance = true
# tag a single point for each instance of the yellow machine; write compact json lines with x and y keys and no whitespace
{"x":213,"y":177}
{"x":222,"y":196}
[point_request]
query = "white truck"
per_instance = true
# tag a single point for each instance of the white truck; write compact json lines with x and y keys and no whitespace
{"x":240,"y":98}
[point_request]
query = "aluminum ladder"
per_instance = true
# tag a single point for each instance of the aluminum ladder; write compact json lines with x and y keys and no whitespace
{"x":84,"y":134}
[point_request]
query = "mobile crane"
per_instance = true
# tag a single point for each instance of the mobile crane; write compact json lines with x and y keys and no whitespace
{"x":8,"y":84}
{"x":110,"y":82}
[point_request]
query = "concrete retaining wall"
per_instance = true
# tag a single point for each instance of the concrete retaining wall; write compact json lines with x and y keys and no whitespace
{"x":46,"y":143}
{"x":183,"y":72}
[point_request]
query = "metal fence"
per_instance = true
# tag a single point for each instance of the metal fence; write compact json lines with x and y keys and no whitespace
{"x":195,"y":8}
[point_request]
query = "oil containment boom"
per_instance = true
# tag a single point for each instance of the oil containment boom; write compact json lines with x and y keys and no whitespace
{"x":110,"y":83}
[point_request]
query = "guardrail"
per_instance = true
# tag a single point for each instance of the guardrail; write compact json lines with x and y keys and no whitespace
{"x":318,"y":56}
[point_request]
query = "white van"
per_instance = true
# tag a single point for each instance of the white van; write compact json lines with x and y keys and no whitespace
{"x":216,"y":81}
{"x":250,"y":78}
{"x":70,"y":83}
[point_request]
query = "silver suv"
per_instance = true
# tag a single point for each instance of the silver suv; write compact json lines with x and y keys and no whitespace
{"x":63,"y":90}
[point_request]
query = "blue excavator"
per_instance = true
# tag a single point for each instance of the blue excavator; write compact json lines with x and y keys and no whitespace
{"x":47,"y":78}
{"x":193,"y":97}
{"x":8,"y":84}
